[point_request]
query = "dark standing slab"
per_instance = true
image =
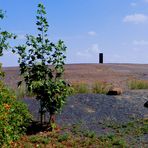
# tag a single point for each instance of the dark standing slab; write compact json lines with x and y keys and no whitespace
{"x":146,"y":104}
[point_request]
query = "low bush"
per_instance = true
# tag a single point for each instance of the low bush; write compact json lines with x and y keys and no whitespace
{"x":98,"y":87}
{"x":138,"y":84}
{"x":101,"y":87}
{"x":80,"y":87}
{"x":14,"y":117}
{"x":63,"y":137}
{"x":39,"y":139}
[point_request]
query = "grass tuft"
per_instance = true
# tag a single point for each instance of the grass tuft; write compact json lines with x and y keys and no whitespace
{"x":22,"y":92}
{"x":98,"y":87}
{"x":39,"y":139}
{"x":63,"y":137}
{"x":138,"y":84}
{"x":80,"y":87}
{"x":101,"y":87}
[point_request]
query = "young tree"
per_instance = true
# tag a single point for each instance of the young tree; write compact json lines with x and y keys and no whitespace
{"x":4,"y":37}
{"x":42,"y":65}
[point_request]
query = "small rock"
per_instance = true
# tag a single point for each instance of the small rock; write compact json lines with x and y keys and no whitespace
{"x":115,"y":91}
{"x":146,"y":104}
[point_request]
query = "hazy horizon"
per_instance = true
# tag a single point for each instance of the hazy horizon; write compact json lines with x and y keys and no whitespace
{"x":16,"y":66}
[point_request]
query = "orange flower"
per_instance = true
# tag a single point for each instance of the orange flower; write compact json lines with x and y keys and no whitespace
{"x":7,"y":106}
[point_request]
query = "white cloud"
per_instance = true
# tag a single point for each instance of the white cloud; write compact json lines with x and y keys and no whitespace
{"x":21,"y":37}
{"x":136,"y":49}
{"x":92,"y":33}
{"x":94,"y":50}
{"x":133,"y":4}
{"x":83,"y":54}
{"x":140,"y":42}
{"x":136,"y":18}
{"x":146,"y":1}
{"x":116,"y":56}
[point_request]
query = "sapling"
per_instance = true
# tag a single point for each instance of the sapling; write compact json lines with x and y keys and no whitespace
{"x":4,"y":37}
{"x":42,"y":66}
{"x":4,"y":40}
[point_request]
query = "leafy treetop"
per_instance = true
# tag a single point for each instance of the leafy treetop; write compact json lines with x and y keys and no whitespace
{"x":4,"y":36}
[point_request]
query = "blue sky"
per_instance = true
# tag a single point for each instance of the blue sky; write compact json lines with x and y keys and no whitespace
{"x":117,"y":28}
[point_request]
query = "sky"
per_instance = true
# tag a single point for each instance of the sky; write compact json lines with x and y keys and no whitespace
{"x":116,"y":28}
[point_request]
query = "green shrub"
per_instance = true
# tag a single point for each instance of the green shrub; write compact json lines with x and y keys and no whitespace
{"x":100,"y":87}
{"x":80,"y":87}
{"x":39,"y":139}
{"x":89,"y":134}
{"x":112,"y":140}
{"x":63,"y":137}
{"x":97,"y":87}
{"x":14,"y":117}
{"x":138,"y":84}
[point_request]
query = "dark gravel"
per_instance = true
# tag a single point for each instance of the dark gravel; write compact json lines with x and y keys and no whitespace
{"x":93,"y":110}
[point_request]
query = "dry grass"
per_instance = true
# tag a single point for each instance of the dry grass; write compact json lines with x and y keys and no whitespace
{"x":99,"y":87}
{"x":138,"y":84}
{"x":22,"y":92}
{"x":80,"y":87}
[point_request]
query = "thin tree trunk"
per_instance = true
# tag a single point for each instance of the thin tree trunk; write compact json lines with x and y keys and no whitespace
{"x":41,"y":112}
{"x":52,"y":122}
